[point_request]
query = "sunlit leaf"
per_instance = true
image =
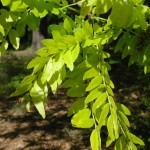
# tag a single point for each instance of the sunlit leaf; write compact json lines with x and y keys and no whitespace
{"x":103,"y":115}
{"x":94,"y":83}
{"x":135,"y":139}
{"x":82,"y":119}
{"x":5,"y":2}
{"x":99,"y":101}
{"x":95,"y":140}
{"x":92,"y":95}
{"x":14,"y":38}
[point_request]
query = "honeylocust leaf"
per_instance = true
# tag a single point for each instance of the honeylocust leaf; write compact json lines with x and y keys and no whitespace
{"x":67,"y":25}
{"x":14,"y":38}
{"x":123,"y":118}
{"x":90,"y":73}
{"x":88,"y":30}
{"x":24,"y":86}
{"x":123,"y":109}
{"x":75,"y":52}
{"x":121,"y":143}
{"x":103,"y":115}
{"x":135,"y":139}
{"x":110,"y":127}
{"x":109,"y":90}
{"x":137,"y":1}
{"x":132,"y":146}
{"x":109,"y":141}
{"x":92,"y":95}
{"x":82,"y":119}
{"x":141,"y":16}
{"x":68,"y":59}
{"x":38,"y":98}
{"x":79,"y":35}
{"x":38,"y":63}
{"x":47,"y":72}
{"x":94,"y":83}
{"x":95,"y":140}
{"x":33,"y":22}
{"x":91,"y":2}
{"x":3,"y":47}
{"x":2,"y":30}
{"x":99,"y":101}
{"x":76,"y":106}
{"x":115,"y":122}
{"x":77,"y":91}
{"x":5,"y":2}
{"x":103,"y":6}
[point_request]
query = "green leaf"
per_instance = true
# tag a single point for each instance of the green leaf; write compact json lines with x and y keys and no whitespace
{"x":121,"y":143}
{"x":123,"y":118}
{"x":90,"y":73}
{"x":64,"y":2}
{"x":112,"y":102}
{"x":115,"y":122}
{"x":27,"y":98}
{"x":47,"y":72}
{"x":99,"y":101}
{"x":77,"y":91}
{"x":39,"y":9}
{"x":102,"y":6}
{"x":2,"y":30}
{"x":79,"y":35}
{"x":68,"y":59}
{"x":137,"y":1}
{"x":109,"y":90}
{"x":3,"y":47}
{"x":109,"y":141}
{"x":110,"y":129}
{"x":141,"y":15}
{"x":91,"y":2}
{"x":38,"y":63}
{"x":67,"y":25}
{"x":14,"y":38}
{"x":103,"y":115}
{"x":25,"y":85}
{"x":33,"y":22}
{"x":15,"y":4}
{"x":123,"y":109}
{"x":84,"y":9}
{"x":75,"y":51}
{"x":121,"y":42}
{"x":76,"y":106}
{"x":82,"y":119}
{"x":38,"y":97}
{"x":92,"y":95}
{"x":5,"y":2}
{"x":88,"y":30}
{"x":95,"y":140}
{"x":58,"y":28}
{"x":132,"y":146}
{"x":94,"y":83}
{"x":135,"y":139}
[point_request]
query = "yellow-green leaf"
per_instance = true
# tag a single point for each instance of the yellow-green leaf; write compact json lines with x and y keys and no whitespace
{"x":95,"y":140}
{"x":14,"y":38}
{"x":94,"y":83}
{"x":5,"y":2}
{"x":82,"y":119}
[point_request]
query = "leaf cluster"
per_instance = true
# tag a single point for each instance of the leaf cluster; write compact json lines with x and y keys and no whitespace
{"x":75,"y":57}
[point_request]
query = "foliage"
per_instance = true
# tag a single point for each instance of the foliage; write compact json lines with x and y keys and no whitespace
{"x":76,"y":57}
